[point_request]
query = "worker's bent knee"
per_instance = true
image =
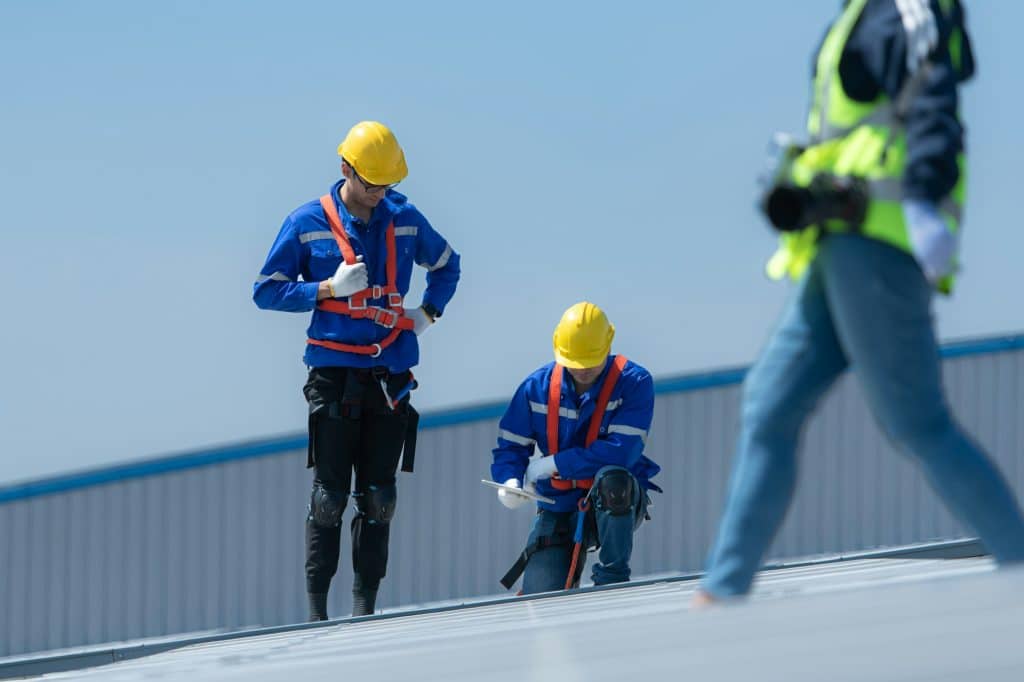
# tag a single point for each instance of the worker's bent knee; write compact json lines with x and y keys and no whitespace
{"x":377,"y":504}
{"x":326,"y":506}
{"x":617,"y":493}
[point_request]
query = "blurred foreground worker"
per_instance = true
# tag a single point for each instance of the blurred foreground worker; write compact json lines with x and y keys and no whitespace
{"x":348,"y":257}
{"x":589,"y":413}
{"x":869,"y":213}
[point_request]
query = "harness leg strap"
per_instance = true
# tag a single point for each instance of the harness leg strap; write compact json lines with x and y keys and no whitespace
{"x":513,"y":574}
{"x":510,"y":578}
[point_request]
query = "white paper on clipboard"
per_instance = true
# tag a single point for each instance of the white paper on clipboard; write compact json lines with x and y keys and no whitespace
{"x":518,"y":491}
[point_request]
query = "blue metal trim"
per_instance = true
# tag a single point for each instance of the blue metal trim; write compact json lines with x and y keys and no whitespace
{"x":959,"y":349}
{"x":433,"y":420}
{"x":190,"y":460}
{"x":696,"y":382}
{"x":462,"y":415}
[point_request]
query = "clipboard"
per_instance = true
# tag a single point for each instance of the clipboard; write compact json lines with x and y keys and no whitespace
{"x":518,"y":491}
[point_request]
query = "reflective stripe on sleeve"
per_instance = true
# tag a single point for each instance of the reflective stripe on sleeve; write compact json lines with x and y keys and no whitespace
{"x":516,"y":438}
{"x":277,"y":277}
{"x":628,"y":431}
{"x":407,"y":231}
{"x":443,"y":260}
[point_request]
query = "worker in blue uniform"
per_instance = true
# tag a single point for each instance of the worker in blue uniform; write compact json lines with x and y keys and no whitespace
{"x":589,"y":413}
{"x":348,"y":258}
{"x":869,"y":212}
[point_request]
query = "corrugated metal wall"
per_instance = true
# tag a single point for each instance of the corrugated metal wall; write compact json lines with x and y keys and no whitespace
{"x":220,"y":546}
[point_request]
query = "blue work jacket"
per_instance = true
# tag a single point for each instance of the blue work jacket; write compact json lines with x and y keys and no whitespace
{"x":620,"y":442}
{"x":306,"y":253}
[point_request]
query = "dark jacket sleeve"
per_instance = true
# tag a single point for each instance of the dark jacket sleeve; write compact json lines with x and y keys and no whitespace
{"x":875,"y":62}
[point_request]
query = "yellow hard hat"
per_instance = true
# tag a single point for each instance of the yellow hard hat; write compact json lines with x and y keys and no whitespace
{"x":372,"y":150}
{"x":583,"y":337}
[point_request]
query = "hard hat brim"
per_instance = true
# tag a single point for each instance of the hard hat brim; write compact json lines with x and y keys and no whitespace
{"x":586,"y":362}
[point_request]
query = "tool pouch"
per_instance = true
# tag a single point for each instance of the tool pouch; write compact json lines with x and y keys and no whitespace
{"x":319,"y":408}
{"x":325,"y":392}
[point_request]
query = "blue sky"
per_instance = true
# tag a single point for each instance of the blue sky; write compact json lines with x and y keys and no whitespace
{"x":149,"y":152}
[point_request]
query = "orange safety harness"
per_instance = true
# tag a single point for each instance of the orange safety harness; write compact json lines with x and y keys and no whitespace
{"x":555,"y":404}
{"x":393,"y":317}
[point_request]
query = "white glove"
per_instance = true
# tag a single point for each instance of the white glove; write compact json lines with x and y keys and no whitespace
{"x":922,"y":33}
{"x":541,"y":467}
{"x":933,"y":244}
{"x":511,"y":500}
{"x":348,"y":279}
{"x":421,"y":321}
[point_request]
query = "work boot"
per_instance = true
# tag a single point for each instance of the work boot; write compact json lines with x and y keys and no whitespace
{"x":364,"y":599}
{"x":317,"y":606}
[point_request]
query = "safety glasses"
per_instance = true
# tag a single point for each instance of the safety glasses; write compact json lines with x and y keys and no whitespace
{"x":371,"y":189}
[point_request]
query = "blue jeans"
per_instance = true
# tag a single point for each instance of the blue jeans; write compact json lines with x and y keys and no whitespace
{"x":866,"y":305}
{"x":548,"y":568}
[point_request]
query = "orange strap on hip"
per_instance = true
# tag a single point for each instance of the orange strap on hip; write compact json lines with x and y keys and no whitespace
{"x":373,"y":350}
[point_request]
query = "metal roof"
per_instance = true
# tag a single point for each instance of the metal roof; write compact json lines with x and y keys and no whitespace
{"x":852,"y":618}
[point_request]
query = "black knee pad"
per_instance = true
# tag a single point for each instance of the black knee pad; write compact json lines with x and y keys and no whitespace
{"x":377,"y":503}
{"x":616,"y":493}
{"x":326,"y":506}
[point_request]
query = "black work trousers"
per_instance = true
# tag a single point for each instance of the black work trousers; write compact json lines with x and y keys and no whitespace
{"x":352,"y":428}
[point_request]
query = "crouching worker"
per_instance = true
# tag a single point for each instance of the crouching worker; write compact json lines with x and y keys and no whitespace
{"x":588,"y":413}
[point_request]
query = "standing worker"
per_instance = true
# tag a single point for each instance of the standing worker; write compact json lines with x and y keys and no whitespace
{"x":589,"y":413}
{"x":870,"y":214}
{"x":348,"y":257}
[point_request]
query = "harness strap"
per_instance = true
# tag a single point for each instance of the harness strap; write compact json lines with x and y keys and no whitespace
{"x":552,"y":421}
{"x":393,"y":317}
{"x":383,"y":316}
{"x":604,"y":396}
{"x":409,"y":449}
{"x":576,"y":568}
{"x":512,"y":575}
{"x":555,"y":540}
{"x":554,"y":404}
{"x":373,"y":350}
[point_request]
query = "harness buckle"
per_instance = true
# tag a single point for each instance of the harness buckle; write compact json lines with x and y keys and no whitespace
{"x":385,"y":318}
{"x":376,"y":291}
{"x":395,"y":300}
{"x":376,"y":354}
{"x":357,"y":302}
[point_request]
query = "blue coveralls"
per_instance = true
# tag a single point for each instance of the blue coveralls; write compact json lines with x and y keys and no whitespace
{"x":619,"y":447}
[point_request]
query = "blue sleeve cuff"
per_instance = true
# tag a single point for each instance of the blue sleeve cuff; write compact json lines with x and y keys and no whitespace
{"x":565,"y":463}
{"x":309,"y":290}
